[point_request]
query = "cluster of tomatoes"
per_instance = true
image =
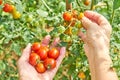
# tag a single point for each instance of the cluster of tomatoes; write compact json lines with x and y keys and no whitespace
{"x":72,"y":18}
{"x":8,"y":8}
{"x":42,"y":57}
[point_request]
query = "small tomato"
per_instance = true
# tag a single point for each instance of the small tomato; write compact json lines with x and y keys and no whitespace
{"x":7,"y":7}
{"x":86,"y":2}
{"x":53,"y":53}
{"x":35,"y":46}
{"x":33,"y":58}
{"x":80,"y":16}
{"x":67,"y":16}
{"x":50,"y":63}
{"x":40,"y":68}
{"x":16,"y":15}
{"x":42,"y":52}
{"x":1,"y":2}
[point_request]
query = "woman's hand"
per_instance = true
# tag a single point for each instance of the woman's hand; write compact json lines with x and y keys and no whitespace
{"x":98,"y":31}
{"x":97,"y":40}
{"x":28,"y":72}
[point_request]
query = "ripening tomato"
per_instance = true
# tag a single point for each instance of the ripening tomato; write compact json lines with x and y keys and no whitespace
{"x":34,"y":59}
{"x":80,"y":16}
{"x":35,"y":46}
{"x":16,"y":15}
{"x":67,"y":16}
{"x":53,"y":53}
{"x":40,"y":68}
{"x":7,"y":8}
{"x":0,"y":2}
{"x":86,"y":2}
{"x":50,"y":63}
{"x":43,"y":52}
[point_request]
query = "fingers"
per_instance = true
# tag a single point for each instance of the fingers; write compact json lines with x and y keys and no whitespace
{"x":100,"y":20}
{"x":55,"y":42}
{"x":46,"y":40}
{"x":87,"y":23}
{"x":82,"y":36}
{"x":62,"y":55}
{"x":26,"y":52}
{"x":95,"y":17}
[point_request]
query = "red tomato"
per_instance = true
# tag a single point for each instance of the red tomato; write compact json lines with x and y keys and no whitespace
{"x":33,"y":59}
{"x":50,"y":63}
{"x":86,"y":2}
{"x":0,"y":2}
{"x":35,"y":46}
{"x":40,"y":68}
{"x":53,"y":53}
{"x":43,"y":52}
{"x":67,"y":16}
{"x":7,"y":8}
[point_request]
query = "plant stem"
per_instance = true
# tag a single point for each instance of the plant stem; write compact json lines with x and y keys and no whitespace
{"x":46,"y":6}
{"x":92,"y":4}
{"x":79,"y":5}
{"x":68,"y":5}
{"x":112,"y":18}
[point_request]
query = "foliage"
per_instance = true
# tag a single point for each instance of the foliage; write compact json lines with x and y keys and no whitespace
{"x":42,"y":17}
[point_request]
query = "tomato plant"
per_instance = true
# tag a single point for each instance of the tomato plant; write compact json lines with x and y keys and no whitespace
{"x":40,"y":18}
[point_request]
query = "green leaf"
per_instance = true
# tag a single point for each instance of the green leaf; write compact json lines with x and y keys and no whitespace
{"x":42,"y":13}
{"x":116,"y":4}
{"x":15,"y":47}
{"x":2,"y":65}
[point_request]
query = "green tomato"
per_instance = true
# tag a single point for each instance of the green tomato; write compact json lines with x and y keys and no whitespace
{"x":66,"y":38}
{"x":29,"y":18}
{"x":60,"y":29}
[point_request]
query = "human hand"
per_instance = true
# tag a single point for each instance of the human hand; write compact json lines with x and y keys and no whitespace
{"x":28,"y":72}
{"x":98,"y":30}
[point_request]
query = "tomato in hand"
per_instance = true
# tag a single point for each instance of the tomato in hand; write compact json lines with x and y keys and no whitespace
{"x":50,"y":63}
{"x":40,"y":68}
{"x":33,"y":58}
{"x":42,"y":52}
{"x":0,"y":2}
{"x":67,"y":16}
{"x":53,"y":53}
{"x":7,"y":8}
{"x":35,"y":46}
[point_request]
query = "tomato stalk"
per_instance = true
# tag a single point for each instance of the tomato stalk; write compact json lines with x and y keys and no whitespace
{"x":68,"y":5}
{"x":92,"y":4}
{"x":79,"y":5}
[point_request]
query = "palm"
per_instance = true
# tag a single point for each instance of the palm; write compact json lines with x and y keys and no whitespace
{"x":29,"y":71}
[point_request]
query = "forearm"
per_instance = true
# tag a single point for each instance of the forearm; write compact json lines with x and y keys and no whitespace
{"x":100,"y":66}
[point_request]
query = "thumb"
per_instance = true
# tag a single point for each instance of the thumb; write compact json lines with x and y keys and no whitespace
{"x":26,"y":52}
